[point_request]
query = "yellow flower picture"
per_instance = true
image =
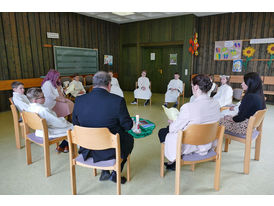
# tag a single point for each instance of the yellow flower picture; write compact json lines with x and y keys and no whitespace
{"x":249,"y":51}
{"x":270,"y":49}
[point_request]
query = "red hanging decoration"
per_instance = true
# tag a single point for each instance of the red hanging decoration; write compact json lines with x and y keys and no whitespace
{"x":193,"y":49}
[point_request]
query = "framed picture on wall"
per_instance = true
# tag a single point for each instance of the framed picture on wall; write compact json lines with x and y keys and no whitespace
{"x":237,"y":65}
{"x":173,"y":59}
{"x":108,"y":59}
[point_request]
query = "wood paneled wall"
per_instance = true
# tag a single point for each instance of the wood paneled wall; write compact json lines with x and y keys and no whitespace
{"x":22,"y":36}
{"x":233,"y":26}
{"x":134,"y":35}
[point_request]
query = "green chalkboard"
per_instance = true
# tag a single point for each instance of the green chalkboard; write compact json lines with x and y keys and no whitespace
{"x":71,"y":60}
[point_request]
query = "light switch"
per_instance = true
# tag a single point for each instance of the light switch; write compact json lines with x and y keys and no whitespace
{"x":186,"y":72}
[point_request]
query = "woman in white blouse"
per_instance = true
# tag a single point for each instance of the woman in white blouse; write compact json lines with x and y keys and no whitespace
{"x":115,"y":87}
{"x":203,"y":110}
{"x":54,"y":97}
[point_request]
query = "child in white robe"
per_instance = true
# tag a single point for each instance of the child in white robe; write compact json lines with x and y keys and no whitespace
{"x":76,"y":87}
{"x":174,"y":89}
{"x":225,"y":93}
{"x":115,"y":87}
{"x":19,"y":99}
{"x":57,"y":126}
{"x":143,"y":90}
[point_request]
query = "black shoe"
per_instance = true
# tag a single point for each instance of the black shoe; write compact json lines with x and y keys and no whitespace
{"x":113,"y":177}
{"x":146,"y":102}
{"x":165,"y":105}
{"x":105,"y":174}
{"x":171,"y":166}
{"x":175,"y":105}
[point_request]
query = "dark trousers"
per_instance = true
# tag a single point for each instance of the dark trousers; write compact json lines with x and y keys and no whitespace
{"x":63,"y":144}
{"x":126,"y":147}
{"x":162,"y":134}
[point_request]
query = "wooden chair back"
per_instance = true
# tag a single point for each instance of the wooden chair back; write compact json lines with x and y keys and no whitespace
{"x":93,"y":138}
{"x":10,"y":99}
{"x":258,"y":118}
{"x":33,"y":121}
{"x":199,"y":134}
{"x":88,"y":80}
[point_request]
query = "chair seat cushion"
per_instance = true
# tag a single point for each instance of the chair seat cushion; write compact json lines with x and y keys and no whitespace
{"x":37,"y":139}
{"x":197,"y":157}
{"x":255,"y":134}
{"x":89,"y":161}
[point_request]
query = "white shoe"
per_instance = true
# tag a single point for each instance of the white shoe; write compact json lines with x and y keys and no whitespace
{"x":134,"y":102}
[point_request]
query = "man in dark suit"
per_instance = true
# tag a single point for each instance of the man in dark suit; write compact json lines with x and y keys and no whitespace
{"x":99,"y":108}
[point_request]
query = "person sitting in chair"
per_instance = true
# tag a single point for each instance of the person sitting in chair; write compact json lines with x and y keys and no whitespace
{"x":174,"y":89}
{"x":100,"y":108}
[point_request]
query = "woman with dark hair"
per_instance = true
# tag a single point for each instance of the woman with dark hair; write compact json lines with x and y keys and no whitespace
{"x":54,"y":96}
{"x":252,"y":101}
{"x":202,"y":110}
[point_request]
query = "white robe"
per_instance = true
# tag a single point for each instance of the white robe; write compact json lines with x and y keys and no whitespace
{"x":172,"y":95}
{"x":57,"y":126}
{"x":224,"y":95}
{"x":203,"y":110}
{"x":50,"y":93}
{"x":143,"y":94}
{"x":75,"y":87}
{"x":231,"y":113}
{"x":115,"y":87}
{"x":21,"y":101}
{"x":192,"y":98}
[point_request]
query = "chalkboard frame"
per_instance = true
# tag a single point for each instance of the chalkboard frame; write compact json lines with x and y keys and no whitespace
{"x":85,"y":53}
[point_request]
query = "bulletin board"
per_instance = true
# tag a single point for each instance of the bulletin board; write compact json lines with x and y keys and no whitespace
{"x":228,"y":50}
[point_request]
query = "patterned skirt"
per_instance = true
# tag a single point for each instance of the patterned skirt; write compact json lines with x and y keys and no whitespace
{"x":235,"y":127}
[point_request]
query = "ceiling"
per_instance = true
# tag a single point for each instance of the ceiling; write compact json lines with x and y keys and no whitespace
{"x":140,"y":16}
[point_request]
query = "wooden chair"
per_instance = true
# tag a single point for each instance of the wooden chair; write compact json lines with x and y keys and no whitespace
{"x":18,"y":125}
{"x":198,"y":134}
{"x":254,"y":131}
{"x":33,"y":121}
{"x":88,"y":83}
{"x":96,"y":139}
{"x":181,"y":95}
{"x":136,"y":86}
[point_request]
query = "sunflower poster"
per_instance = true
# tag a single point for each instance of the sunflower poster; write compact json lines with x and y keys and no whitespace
{"x":228,"y":50}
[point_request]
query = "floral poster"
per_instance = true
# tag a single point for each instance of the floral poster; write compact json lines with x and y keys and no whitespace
{"x":173,"y":59}
{"x":108,"y":59}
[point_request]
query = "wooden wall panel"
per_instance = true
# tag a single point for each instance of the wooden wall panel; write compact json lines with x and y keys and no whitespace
{"x":133,"y":36}
{"x":23,"y":36}
{"x":232,"y":26}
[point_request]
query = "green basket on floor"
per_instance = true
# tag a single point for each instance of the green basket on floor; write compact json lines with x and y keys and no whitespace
{"x":144,"y":131}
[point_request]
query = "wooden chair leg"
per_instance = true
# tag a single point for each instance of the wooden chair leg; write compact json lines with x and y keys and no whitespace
{"x":217,"y":174}
{"x":258,"y":147}
{"x":226,"y":144}
{"x":247,"y":156}
{"x":28,"y":151}
{"x":178,"y":101}
{"x":150,"y":103}
{"x":229,"y":141}
{"x":137,"y":103}
{"x":73,"y":178}
{"x":162,"y":158}
{"x":192,"y":167}
{"x":118,"y":178}
{"x":177,"y":178}
{"x":94,"y":172}
{"x":17,"y":136}
{"x":128,"y":168}
{"x":57,"y":144}
{"x":47,"y":160}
